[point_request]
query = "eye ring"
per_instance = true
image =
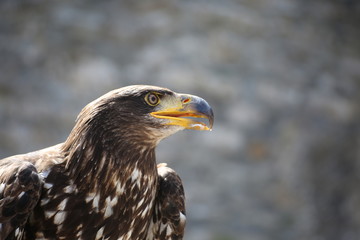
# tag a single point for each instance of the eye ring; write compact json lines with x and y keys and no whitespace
{"x":152,"y":99}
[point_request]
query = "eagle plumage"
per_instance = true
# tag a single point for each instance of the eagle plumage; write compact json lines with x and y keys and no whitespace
{"x":103,"y":181}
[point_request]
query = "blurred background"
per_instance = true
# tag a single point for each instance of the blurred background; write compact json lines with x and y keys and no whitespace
{"x":283,"y":77}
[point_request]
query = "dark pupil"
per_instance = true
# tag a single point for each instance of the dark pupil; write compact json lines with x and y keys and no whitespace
{"x":152,"y":99}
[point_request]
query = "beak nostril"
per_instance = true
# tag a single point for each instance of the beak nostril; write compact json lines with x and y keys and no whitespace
{"x":186,"y":100}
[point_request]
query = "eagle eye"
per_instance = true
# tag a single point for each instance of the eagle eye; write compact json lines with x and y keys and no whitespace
{"x":152,"y":99}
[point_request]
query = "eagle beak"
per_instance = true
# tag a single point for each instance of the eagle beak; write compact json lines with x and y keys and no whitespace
{"x":186,"y":108}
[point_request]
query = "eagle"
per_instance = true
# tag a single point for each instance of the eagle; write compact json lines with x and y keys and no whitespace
{"x":103,"y":182}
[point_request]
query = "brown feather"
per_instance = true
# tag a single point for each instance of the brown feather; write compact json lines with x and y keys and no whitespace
{"x":170,"y":217}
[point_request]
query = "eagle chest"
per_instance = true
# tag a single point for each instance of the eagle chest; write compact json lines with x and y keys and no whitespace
{"x":118,"y":207}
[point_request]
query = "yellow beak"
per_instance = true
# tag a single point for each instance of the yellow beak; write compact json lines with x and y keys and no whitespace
{"x":182,"y":113}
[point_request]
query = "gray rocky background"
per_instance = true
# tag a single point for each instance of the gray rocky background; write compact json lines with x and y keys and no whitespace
{"x":283,"y":77}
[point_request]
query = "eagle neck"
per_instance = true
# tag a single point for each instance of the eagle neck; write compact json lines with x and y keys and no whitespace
{"x":105,"y":158}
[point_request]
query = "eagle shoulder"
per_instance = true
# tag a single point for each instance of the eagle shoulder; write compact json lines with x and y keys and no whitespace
{"x":20,"y":189}
{"x":170,"y":216}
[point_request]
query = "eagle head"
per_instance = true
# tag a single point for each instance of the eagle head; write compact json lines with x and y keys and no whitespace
{"x":142,"y":113}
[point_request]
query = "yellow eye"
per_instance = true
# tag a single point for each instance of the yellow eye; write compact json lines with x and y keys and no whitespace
{"x":152,"y":99}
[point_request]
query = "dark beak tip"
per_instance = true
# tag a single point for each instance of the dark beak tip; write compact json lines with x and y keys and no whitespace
{"x":207,"y":111}
{"x":211,"y":119}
